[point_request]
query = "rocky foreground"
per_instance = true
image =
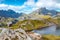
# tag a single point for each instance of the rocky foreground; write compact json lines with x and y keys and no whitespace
{"x":17,"y":34}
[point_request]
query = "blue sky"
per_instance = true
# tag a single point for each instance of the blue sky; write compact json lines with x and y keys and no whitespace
{"x":13,"y":2}
{"x":27,"y":6}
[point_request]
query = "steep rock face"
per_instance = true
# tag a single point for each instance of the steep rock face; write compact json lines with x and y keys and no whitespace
{"x":17,"y":34}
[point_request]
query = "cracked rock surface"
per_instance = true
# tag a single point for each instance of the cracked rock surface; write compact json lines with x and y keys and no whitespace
{"x":17,"y":34}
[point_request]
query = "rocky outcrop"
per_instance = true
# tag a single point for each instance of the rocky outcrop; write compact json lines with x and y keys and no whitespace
{"x":17,"y":34}
{"x":35,"y":36}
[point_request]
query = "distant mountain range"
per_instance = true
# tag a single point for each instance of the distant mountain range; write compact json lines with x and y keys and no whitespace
{"x":10,"y":13}
{"x":45,"y":11}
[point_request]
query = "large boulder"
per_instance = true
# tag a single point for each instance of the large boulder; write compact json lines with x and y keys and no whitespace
{"x":17,"y":34}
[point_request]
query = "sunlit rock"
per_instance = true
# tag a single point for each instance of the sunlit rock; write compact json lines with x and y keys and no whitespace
{"x":17,"y":34}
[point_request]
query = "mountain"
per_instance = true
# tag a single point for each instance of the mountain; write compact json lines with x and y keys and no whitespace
{"x":10,"y":13}
{"x":45,"y":11}
{"x":36,"y":15}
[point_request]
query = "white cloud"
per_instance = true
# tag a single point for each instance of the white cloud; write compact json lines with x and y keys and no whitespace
{"x":3,"y":6}
{"x":23,"y":8}
{"x":29,"y":3}
{"x":57,"y":5}
{"x":49,"y":4}
{"x":15,"y":8}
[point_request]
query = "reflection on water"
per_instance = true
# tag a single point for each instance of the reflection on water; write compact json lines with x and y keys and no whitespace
{"x":48,"y":30}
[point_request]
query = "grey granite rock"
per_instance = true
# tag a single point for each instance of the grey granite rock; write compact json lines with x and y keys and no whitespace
{"x":17,"y":34}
